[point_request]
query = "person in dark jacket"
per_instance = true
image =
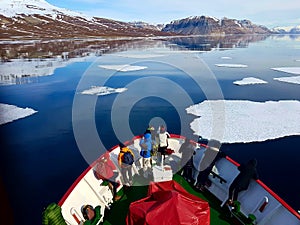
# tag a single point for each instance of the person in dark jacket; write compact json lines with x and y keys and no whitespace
{"x":241,"y":182}
{"x":187,"y":150}
{"x":53,"y":216}
{"x":211,"y":155}
{"x":91,"y":215}
{"x":125,"y":168}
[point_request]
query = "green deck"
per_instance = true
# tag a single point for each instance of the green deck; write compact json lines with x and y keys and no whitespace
{"x":118,"y":212}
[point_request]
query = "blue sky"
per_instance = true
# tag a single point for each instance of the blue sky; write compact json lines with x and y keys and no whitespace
{"x":270,"y":13}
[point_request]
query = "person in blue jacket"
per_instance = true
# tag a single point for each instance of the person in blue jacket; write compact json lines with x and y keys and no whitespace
{"x":146,"y":147}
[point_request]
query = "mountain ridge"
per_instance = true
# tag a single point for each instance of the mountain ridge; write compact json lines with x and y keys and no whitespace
{"x":200,"y":25}
{"x":30,"y":19}
{"x":37,"y":19}
{"x":286,"y":30}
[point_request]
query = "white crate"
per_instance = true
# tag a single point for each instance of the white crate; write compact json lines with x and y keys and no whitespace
{"x":162,"y":174}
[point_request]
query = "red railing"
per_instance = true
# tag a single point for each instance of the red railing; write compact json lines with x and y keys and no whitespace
{"x":280,"y":200}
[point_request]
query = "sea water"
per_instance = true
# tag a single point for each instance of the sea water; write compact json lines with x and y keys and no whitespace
{"x":90,"y":104}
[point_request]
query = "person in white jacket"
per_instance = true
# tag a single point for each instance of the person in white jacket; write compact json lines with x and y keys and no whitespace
{"x":163,"y":136}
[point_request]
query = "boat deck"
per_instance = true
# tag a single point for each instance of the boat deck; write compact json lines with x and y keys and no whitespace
{"x":219,"y":215}
{"x":257,"y":205}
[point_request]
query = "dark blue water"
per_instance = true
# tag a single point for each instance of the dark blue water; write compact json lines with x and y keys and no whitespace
{"x":40,"y":157}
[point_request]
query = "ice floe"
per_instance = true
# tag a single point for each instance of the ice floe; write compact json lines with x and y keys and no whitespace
{"x":123,"y":68}
{"x":292,"y":70}
{"x":17,"y":69}
{"x":140,"y":56}
{"x":226,"y":57}
{"x":250,"y":80}
{"x":9,"y":113}
{"x":293,"y":80}
{"x":232,"y":65}
{"x":103,"y":90}
{"x":246,"y":121}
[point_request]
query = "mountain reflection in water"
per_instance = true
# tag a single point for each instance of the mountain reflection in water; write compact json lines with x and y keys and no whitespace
{"x":21,"y":60}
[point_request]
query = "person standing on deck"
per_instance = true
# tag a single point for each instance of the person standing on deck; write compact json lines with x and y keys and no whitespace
{"x":241,"y":182}
{"x":163,"y":136}
{"x":151,"y":130}
{"x":187,"y":151}
{"x":106,"y":171}
{"x":210,"y":156}
{"x":146,"y":147}
{"x":125,"y":162}
{"x":154,"y":148}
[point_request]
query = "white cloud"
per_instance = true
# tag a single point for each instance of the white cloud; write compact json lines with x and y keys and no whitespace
{"x":157,"y":11}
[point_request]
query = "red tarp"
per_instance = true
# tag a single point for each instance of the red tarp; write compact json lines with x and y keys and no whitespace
{"x":168,"y":204}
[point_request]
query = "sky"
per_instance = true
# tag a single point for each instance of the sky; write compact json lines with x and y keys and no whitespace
{"x":270,"y":13}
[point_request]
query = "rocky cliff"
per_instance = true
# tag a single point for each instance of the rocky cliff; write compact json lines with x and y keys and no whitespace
{"x":204,"y":25}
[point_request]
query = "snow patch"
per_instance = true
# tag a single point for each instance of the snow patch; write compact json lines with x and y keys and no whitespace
{"x":246,"y":121}
{"x":9,"y":113}
{"x":250,"y":80}
{"x":103,"y":90}
{"x":11,"y":8}
{"x":123,"y":68}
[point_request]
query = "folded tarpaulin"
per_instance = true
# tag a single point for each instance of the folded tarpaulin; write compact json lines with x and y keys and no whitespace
{"x":168,"y":204}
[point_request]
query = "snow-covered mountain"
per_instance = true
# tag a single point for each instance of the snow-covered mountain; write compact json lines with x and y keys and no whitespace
{"x":142,"y":24}
{"x":11,"y":8}
{"x":287,"y":30}
{"x":39,"y":19}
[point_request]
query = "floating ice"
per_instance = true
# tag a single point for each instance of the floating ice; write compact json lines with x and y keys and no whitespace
{"x":97,"y":90}
{"x":9,"y":113}
{"x":246,"y":121}
{"x":123,"y":68}
{"x":292,"y":70}
{"x":226,"y":57}
{"x":17,"y":69}
{"x":232,"y":65}
{"x":293,"y":80}
{"x":140,"y":56}
{"x":249,"y":80}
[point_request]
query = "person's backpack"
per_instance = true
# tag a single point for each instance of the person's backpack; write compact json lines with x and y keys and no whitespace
{"x":127,"y":158}
{"x":103,"y":171}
